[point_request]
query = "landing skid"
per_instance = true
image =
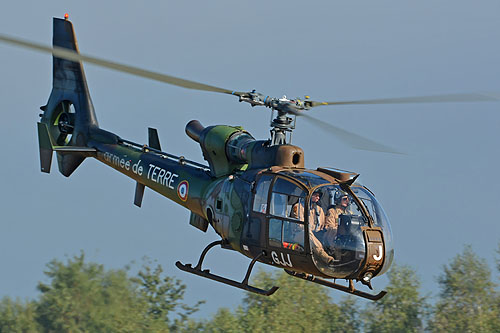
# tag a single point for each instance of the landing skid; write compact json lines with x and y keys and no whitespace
{"x":349,"y":290}
{"x":206,"y":273}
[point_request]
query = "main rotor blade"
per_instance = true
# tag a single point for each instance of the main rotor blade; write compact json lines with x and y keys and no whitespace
{"x":351,"y":139}
{"x":448,"y":98}
{"x":74,"y":56}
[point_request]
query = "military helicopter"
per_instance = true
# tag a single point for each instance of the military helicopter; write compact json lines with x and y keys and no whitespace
{"x":257,"y":195}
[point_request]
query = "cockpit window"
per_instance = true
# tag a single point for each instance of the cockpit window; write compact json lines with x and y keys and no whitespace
{"x":285,"y":195}
{"x":261,"y":193}
{"x":309,"y":179}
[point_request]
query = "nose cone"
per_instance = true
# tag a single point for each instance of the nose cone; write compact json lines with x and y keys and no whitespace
{"x":389,"y":249}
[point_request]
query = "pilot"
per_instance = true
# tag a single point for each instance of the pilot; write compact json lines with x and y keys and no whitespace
{"x":341,"y":207}
{"x":316,"y":224}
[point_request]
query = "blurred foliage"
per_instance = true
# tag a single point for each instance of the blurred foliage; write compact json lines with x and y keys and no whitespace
{"x":85,"y":297}
{"x":498,"y":257}
{"x":467,"y":300}
{"x":163,"y":295}
{"x":403,"y":309}
{"x":17,"y":316}
{"x":297,"y":306}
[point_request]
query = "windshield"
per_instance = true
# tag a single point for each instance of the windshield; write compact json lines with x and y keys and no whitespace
{"x":309,"y":179}
{"x":335,"y":234}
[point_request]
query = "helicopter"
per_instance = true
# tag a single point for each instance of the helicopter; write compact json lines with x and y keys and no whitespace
{"x":253,"y":192}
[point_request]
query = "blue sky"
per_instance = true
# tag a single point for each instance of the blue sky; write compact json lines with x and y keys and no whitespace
{"x":438,"y":197}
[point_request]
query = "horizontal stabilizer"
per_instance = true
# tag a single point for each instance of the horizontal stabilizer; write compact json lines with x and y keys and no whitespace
{"x":74,"y":149}
{"x":46,"y":145}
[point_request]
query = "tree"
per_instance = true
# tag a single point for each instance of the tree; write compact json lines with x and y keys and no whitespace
{"x":298,"y":306}
{"x":402,"y":309}
{"x":497,"y":321}
{"x":467,"y":298}
{"x":17,"y":316}
{"x":84,"y":296}
{"x":223,"y":322}
{"x":163,"y":295}
{"x":498,"y":258}
{"x":343,"y":317}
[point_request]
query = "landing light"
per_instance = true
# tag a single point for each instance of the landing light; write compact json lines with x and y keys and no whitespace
{"x":367,"y":277}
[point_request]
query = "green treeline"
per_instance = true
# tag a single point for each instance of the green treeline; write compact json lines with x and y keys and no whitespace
{"x":85,"y":297}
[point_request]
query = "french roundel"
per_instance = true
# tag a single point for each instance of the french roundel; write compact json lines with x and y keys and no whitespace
{"x":182,"y":190}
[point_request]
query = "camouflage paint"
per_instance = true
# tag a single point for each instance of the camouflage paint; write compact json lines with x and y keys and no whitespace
{"x":161,"y":174}
{"x":213,"y":141}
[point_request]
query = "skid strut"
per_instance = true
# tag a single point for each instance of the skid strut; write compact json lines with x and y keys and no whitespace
{"x":206,"y":273}
{"x":350,"y":289}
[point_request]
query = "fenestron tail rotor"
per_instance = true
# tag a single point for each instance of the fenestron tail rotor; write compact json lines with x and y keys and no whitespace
{"x":282,"y":124}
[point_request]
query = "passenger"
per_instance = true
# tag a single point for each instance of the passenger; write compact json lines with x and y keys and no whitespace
{"x":316,"y":213}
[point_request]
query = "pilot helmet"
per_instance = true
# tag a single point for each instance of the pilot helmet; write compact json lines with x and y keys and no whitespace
{"x":339,"y":194}
{"x":318,"y":192}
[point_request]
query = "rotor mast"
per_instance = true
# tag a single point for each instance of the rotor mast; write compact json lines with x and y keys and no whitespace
{"x":280,"y":126}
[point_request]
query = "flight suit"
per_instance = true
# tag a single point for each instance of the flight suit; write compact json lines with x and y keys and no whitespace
{"x":332,"y":223}
{"x":316,"y":216}
{"x":332,"y":216}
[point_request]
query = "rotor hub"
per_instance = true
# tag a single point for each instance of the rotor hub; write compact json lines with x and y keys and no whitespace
{"x":65,"y":124}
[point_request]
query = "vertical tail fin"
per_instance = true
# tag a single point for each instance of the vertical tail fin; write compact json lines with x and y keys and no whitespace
{"x":69,"y":114}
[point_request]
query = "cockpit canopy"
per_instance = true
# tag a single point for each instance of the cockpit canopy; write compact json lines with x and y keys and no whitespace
{"x":337,"y":218}
{"x":324,"y":216}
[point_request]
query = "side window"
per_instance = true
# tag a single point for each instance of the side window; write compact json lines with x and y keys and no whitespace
{"x":293,"y":236}
{"x":287,"y":205}
{"x":287,"y":200}
{"x":218,"y":205}
{"x":279,"y":204}
{"x":261,"y":192}
{"x":275,"y":228}
{"x":286,"y":234}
